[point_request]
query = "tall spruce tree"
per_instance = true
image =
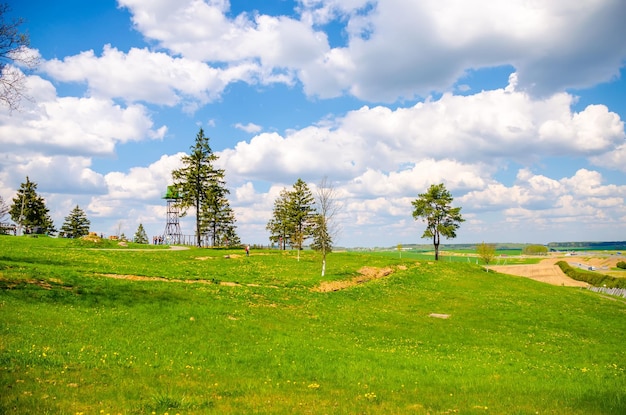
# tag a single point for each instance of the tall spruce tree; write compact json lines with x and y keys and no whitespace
{"x":279,"y":225}
{"x":201,"y":186}
{"x":76,"y":224}
{"x":293,"y":216}
{"x":301,"y":210}
{"x":218,"y":219}
{"x":29,"y":210}
{"x":140,"y":235}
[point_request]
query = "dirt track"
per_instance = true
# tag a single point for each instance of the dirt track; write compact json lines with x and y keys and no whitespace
{"x":545,"y":271}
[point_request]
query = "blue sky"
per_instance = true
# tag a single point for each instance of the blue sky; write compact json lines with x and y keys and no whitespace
{"x":517,"y":107}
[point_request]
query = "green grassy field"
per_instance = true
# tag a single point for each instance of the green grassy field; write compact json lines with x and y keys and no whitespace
{"x":73,"y":341}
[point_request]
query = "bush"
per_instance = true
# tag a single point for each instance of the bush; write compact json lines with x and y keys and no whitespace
{"x":535,"y":250}
{"x":621,"y":265}
{"x":593,"y":278}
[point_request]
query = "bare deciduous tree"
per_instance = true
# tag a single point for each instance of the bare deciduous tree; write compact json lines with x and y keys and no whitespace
{"x":14,"y":53}
{"x":326,"y":227}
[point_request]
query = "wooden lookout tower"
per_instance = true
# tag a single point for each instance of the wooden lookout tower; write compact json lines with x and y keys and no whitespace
{"x":172,"y":234}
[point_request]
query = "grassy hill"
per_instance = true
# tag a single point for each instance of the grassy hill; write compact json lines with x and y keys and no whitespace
{"x":212,"y":331}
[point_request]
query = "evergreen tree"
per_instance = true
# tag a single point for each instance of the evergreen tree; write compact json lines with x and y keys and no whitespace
{"x":292,"y":219}
{"x":434,"y":208}
{"x":279,"y":225}
{"x":217,"y":217}
{"x":29,"y":210}
{"x":140,"y":236}
{"x":201,"y":186}
{"x":301,"y":210}
{"x":76,"y":224}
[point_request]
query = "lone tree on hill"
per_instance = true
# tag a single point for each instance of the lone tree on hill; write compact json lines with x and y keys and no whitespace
{"x":201,"y":186}
{"x":13,"y":49}
{"x":433,"y":207}
{"x":487,"y":252}
{"x":140,"y":235}
{"x":76,"y":224}
{"x":29,"y":210}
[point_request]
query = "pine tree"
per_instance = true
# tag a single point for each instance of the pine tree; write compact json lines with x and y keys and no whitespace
{"x":434,"y":208}
{"x":201,"y":186}
{"x":76,"y":224}
{"x":140,"y":236}
{"x":301,"y":211}
{"x":217,"y":217}
{"x":279,"y":225}
{"x":29,"y":210}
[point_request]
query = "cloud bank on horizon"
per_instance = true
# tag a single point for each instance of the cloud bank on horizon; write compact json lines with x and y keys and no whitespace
{"x":518,"y":108}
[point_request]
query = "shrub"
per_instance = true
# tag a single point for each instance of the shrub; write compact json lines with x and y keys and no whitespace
{"x":621,"y":265}
{"x":593,"y":278}
{"x":535,"y":250}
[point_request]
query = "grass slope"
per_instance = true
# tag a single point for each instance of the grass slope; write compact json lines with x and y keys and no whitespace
{"x":73,"y":341}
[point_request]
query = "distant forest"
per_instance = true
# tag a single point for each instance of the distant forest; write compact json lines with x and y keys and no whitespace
{"x":595,"y":246}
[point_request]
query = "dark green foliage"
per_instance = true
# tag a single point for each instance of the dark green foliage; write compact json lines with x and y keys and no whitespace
{"x":322,"y":240}
{"x":201,"y":186}
{"x":434,"y":208}
{"x":593,"y":278}
{"x":535,"y":250}
{"x":29,"y":210}
{"x":301,"y":209}
{"x":140,"y":236}
{"x":76,"y":224}
{"x":279,"y":225}
{"x":588,"y":246}
{"x":621,"y":265}
{"x":292,"y":220}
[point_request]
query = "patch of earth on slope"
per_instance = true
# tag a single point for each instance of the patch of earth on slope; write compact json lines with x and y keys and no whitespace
{"x":595,"y":261}
{"x":546,"y":271}
{"x":162,"y":279}
{"x":365,"y":274}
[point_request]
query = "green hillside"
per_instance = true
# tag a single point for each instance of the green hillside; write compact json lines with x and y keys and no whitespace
{"x":212,"y":332}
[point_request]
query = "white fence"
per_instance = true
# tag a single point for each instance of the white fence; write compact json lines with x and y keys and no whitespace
{"x":618,"y":292}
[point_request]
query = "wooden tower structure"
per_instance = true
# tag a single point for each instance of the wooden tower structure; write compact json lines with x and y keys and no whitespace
{"x":172,"y":234}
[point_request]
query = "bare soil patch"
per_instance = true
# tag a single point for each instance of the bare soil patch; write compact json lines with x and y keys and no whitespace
{"x":545,"y":271}
{"x":365,"y":274}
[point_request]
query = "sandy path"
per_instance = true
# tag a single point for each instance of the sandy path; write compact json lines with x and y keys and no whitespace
{"x":546,"y":271}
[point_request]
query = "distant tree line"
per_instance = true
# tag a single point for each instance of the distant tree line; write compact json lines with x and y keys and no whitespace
{"x":31,"y":216}
{"x":298,"y":215}
{"x":611,"y":245}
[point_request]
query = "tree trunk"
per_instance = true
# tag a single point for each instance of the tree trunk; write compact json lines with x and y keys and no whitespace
{"x":436,"y":243}
{"x":198,"y":236}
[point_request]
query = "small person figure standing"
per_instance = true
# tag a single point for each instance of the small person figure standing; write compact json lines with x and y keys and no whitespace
{"x":247,"y":250}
